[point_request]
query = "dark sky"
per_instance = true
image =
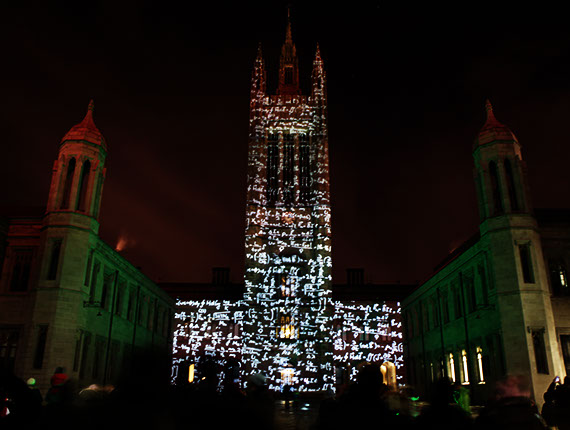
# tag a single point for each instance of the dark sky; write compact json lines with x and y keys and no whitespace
{"x":406,"y":92}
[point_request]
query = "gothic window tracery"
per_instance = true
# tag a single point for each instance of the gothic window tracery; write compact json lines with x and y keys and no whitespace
{"x":288,"y":169}
{"x":272,"y":168}
{"x":304,"y":169}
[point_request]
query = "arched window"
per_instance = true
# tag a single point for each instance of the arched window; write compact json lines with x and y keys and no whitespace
{"x":288,"y":169}
{"x":495,"y":189}
{"x":511,"y":186}
{"x":288,"y":75}
{"x":304,"y":168}
{"x":451,"y":370}
{"x":286,"y":328}
{"x":480,"y":372}
{"x":287,"y":285}
{"x":97,"y":196}
{"x":558,"y":280}
{"x":272,"y":168}
{"x":83,"y":182}
{"x":67,"y":184}
{"x":464,"y":368}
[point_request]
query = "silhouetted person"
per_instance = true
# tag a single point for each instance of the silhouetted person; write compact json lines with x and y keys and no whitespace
{"x":260,"y":404}
{"x":35,"y":399}
{"x":562,"y":402}
{"x":512,"y":408}
{"x":328,"y":412}
{"x":57,"y":391}
{"x":287,"y":395}
{"x":364,"y":402}
{"x":443,"y":412}
{"x":549,"y":408}
{"x":15,"y":401}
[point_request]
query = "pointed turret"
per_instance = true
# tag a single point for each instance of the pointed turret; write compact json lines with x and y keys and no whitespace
{"x":288,"y":65}
{"x":79,"y":172}
{"x":499,"y":170}
{"x":258,"y":77}
{"x":493,"y":130}
{"x":318,"y":90}
{"x":86,"y":130}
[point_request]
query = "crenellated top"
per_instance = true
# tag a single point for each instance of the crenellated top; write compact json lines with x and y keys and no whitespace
{"x":86,"y":130}
{"x":493,"y":130}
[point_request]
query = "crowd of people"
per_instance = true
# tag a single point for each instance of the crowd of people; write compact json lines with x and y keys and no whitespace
{"x":149,"y":401}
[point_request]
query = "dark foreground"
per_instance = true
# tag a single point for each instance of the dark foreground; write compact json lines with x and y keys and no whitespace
{"x":147,"y":404}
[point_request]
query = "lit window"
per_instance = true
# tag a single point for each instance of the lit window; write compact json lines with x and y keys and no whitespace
{"x":287,"y":376}
{"x":452,"y":368}
{"x":465,"y":367}
{"x":480,"y":365}
{"x":286,"y":329}
{"x":287,"y":286}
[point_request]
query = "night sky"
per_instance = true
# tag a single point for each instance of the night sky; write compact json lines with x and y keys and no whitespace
{"x":406,"y":91}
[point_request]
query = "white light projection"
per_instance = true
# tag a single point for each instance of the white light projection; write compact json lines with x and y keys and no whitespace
{"x":286,"y":330}
{"x":361,"y":332}
{"x":286,"y":326}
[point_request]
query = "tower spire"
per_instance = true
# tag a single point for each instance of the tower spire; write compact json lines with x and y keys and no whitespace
{"x":490,"y":115}
{"x":493,"y":130}
{"x":288,"y":64}
{"x":288,"y":36}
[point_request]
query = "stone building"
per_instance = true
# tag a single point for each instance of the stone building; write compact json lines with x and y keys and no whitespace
{"x":499,"y":304}
{"x":66,"y":297}
{"x":286,"y":322}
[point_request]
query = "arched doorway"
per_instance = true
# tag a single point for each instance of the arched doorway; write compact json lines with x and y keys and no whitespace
{"x":388,"y":370}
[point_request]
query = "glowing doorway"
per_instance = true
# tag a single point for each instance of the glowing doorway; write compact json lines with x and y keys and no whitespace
{"x":287,"y":376}
{"x":388,"y":370}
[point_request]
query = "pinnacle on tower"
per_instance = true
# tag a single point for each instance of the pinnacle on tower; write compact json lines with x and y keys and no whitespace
{"x":288,"y":64}
{"x":288,"y":36}
{"x":318,"y":54}
{"x":493,"y":130}
{"x":490,"y":115}
{"x":86,"y":130}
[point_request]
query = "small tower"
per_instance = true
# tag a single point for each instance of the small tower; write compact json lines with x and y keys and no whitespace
{"x":78,"y":174}
{"x":69,"y":234}
{"x":510,"y":234}
{"x":500,"y":170}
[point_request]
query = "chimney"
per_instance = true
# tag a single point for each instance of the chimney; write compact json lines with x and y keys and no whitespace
{"x":355,"y":276}
{"x":220,"y":275}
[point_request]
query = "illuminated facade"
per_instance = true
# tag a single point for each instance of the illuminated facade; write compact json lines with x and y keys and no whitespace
{"x":500,"y":304}
{"x":288,"y":264}
{"x":366,"y":328}
{"x":66,"y":297}
{"x":287,"y":324}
